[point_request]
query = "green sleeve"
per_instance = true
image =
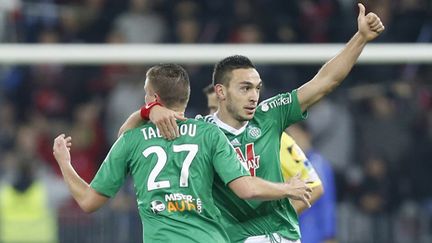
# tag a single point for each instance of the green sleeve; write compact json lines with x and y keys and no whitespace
{"x":225,"y":159}
{"x":284,"y":108}
{"x":113,"y":170}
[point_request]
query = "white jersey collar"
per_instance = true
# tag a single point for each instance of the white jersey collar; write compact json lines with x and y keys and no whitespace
{"x":227,"y":127}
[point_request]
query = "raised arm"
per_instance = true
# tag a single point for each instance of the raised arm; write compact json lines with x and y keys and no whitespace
{"x":251,"y":187}
{"x":334,"y":71}
{"x":87,"y":198}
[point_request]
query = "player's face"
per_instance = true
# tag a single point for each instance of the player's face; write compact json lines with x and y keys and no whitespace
{"x":150,"y":95}
{"x":212,"y":103}
{"x":242,"y":94}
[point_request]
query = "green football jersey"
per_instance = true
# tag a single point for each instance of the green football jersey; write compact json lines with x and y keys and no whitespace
{"x":173,"y":179}
{"x":257,"y":145}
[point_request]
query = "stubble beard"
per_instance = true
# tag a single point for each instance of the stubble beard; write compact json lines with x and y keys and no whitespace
{"x":234,"y":111}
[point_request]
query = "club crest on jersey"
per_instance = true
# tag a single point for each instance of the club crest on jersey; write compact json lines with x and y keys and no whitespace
{"x":250,"y":162}
{"x":254,"y":132}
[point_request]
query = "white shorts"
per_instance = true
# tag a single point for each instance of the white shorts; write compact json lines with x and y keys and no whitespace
{"x":266,"y":239}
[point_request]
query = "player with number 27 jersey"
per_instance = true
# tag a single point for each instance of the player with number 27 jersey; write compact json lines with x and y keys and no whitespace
{"x":257,"y":145}
{"x":173,"y":179}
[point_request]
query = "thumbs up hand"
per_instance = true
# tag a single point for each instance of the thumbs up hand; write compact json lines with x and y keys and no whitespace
{"x":369,"y":25}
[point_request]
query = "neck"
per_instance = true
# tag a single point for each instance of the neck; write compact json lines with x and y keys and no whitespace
{"x":226,"y":117}
{"x":177,"y":108}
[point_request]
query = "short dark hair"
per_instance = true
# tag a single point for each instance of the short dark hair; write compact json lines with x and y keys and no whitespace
{"x":171,"y":83}
{"x":209,"y":89}
{"x":222,"y":70}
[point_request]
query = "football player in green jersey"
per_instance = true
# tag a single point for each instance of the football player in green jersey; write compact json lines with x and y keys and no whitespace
{"x":292,"y":158}
{"x":254,"y":130}
{"x":173,"y":179}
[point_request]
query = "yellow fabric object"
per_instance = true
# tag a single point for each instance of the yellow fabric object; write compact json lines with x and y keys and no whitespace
{"x":293,"y":161}
{"x":25,"y":217}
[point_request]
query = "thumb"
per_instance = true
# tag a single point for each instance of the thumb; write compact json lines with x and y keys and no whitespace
{"x":362,"y":10}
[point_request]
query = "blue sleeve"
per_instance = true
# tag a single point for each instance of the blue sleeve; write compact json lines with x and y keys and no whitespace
{"x":328,"y":204}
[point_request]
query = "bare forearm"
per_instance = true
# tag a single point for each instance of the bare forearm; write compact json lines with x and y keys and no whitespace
{"x":78,"y":187}
{"x":265,"y":190}
{"x":134,"y":120}
{"x":88,"y":199}
{"x":335,"y":70}
{"x":249,"y":187}
{"x":332,"y":73}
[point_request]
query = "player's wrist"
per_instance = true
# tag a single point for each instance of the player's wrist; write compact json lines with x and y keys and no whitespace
{"x":145,"y":109}
{"x":291,"y":192}
{"x":65,"y":161}
{"x":361,"y":37}
{"x":288,"y":190}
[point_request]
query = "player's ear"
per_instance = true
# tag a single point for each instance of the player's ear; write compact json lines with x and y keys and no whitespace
{"x":157,"y":98}
{"x":220,"y":91}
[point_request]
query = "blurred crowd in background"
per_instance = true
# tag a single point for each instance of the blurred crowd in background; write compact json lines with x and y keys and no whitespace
{"x":376,"y":129}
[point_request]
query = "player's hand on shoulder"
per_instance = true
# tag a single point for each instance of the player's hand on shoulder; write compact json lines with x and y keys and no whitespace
{"x":299,"y":189}
{"x":61,"y":148}
{"x":165,"y":121}
{"x":369,"y":25}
